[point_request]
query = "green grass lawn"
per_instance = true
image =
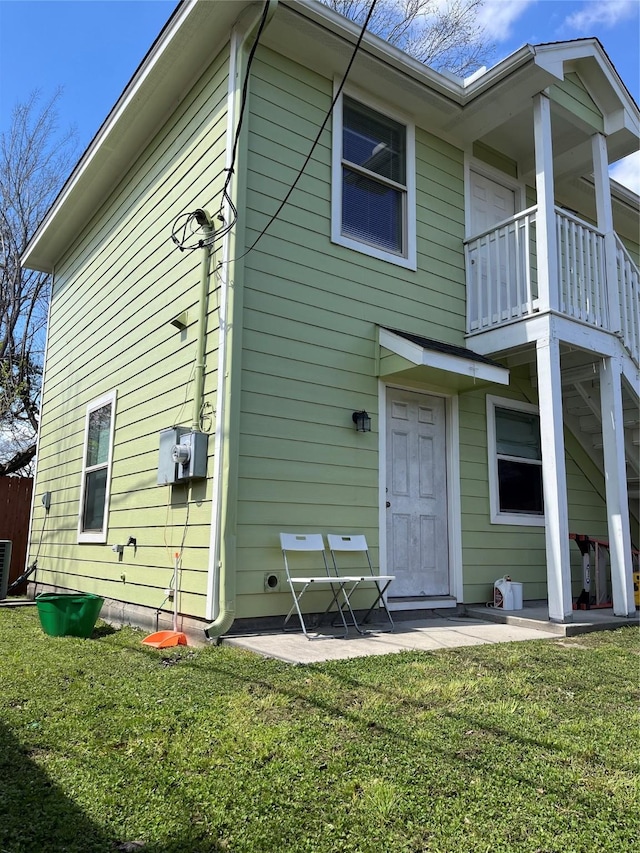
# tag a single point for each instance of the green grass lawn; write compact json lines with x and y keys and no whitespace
{"x":528,"y":747}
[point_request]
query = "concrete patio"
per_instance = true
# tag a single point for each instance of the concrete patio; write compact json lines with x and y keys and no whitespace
{"x":432,"y":631}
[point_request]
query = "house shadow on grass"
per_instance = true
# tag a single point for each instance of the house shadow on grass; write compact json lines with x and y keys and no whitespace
{"x":35,"y":814}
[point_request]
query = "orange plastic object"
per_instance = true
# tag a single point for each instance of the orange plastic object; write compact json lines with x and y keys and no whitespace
{"x":165,"y":639}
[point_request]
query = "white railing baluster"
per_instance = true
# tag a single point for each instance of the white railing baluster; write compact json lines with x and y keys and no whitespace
{"x":501,"y":276}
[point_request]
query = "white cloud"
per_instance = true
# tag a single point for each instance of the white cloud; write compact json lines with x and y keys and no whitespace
{"x":498,"y":17}
{"x":627,"y":172}
{"x":601,"y":13}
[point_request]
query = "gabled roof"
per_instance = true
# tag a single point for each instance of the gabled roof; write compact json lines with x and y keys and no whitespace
{"x":311,"y":33}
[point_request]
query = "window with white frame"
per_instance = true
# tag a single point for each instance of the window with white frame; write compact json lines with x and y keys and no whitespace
{"x":373,"y":182}
{"x":515,"y":462}
{"x":96,"y":469}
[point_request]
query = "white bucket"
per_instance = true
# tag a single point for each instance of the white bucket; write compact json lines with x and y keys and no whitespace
{"x":507,"y":594}
{"x":502,"y":594}
{"x":516,"y":589}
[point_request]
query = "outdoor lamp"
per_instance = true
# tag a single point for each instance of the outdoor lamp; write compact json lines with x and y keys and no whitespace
{"x":362,"y":421}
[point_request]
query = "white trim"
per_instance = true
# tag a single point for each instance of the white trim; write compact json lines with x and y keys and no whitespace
{"x":616,"y":487}
{"x":454,"y":499}
{"x":457,"y":364}
{"x":233,"y":85}
{"x":454,"y":504}
{"x":100,"y":536}
{"x":396,"y":605}
{"x":498,"y":517}
{"x":408,"y":258}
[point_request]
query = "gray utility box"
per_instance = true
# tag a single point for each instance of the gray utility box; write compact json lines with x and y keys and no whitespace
{"x":183,"y":455}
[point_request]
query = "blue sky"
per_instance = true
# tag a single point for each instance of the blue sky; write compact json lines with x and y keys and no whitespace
{"x":91,"y":48}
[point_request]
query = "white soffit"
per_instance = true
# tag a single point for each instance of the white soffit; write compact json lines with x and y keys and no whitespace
{"x":423,"y":356}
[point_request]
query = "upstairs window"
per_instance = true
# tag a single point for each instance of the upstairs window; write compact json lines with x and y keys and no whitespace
{"x":96,"y":469}
{"x":373,"y":183}
{"x":515,"y":463}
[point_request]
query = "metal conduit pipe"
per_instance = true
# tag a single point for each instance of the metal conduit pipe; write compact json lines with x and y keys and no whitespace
{"x":204,"y":221}
{"x":221,"y":583}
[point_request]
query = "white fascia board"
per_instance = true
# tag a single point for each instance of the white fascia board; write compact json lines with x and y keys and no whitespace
{"x":422,"y":357}
{"x":446,"y":84}
{"x":100,"y":139}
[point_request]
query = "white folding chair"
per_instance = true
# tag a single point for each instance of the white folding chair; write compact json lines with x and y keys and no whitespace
{"x":313,"y":543}
{"x":342,"y":544}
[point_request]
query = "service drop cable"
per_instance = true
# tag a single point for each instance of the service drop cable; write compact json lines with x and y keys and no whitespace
{"x":243,"y":103}
{"x":316,"y":140}
{"x":181,"y":236}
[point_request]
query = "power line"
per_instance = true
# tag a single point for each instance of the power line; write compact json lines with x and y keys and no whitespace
{"x":181,"y":236}
{"x":316,"y":140}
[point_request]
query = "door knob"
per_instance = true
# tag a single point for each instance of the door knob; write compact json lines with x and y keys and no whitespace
{"x":388,"y":504}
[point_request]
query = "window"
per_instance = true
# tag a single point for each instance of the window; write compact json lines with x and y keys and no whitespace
{"x":96,"y":469}
{"x":373,"y":183}
{"x":515,"y":462}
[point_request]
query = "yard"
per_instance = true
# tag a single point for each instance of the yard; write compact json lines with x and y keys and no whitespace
{"x":529,"y":747}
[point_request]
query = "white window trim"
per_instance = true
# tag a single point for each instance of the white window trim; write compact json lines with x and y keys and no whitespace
{"x":498,"y":517}
{"x":93,"y":535}
{"x":409,"y":258}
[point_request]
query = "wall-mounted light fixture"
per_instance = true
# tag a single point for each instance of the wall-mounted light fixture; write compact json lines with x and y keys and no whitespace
{"x":362,"y":421}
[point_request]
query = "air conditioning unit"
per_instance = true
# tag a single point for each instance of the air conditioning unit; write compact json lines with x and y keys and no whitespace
{"x":5,"y":566}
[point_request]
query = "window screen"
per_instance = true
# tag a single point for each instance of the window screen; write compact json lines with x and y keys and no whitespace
{"x":374,"y":163}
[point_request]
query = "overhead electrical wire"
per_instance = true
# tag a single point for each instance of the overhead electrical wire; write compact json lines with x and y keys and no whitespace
{"x":318,"y":135}
{"x":181,"y":236}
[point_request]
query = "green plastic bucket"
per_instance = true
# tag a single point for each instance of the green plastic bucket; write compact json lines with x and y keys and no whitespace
{"x":68,"y":614}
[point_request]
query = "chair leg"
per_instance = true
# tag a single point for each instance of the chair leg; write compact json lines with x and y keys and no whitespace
{"x":380,"y":598}
{"x":296,"y":607}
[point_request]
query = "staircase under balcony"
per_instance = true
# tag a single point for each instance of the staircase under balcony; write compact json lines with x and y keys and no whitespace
{"x":593,"y":319}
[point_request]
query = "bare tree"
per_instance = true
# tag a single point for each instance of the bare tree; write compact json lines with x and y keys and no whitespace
{"x":34,"y":160}
{"x":444,"y":34}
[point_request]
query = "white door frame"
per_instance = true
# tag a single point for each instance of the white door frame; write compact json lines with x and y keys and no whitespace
{"x":452,"y":438}
{"x":472,"y":164}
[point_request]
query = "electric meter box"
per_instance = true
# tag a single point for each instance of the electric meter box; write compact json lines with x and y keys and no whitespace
{"x":183,"y":455}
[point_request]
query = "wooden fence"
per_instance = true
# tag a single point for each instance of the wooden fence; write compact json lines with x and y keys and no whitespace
{"x":15,"y":506}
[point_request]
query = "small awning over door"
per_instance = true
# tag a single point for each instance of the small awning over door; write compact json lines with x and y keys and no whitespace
{"x":402,"y":355}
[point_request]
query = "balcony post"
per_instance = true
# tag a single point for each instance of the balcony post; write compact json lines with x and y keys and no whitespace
{"x":616,"y":487}
{"x":548,"y":295}
{"x":604,"y":214}
{"x":554,"y":479}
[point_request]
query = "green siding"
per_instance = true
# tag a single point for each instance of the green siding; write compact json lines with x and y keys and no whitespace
{"x":309,"y":333}
{"x":492,"y":550}
{"x":573,"y":96}
{"x":310,"y":310}
{"x":113,"y":297}
{"x":495,"y":158}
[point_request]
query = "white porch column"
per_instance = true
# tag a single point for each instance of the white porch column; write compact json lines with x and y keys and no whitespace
{"x":616,"y":487}
{"x":548,"y":295}
{"x":604,"y":214}
{"x":554,"y":477}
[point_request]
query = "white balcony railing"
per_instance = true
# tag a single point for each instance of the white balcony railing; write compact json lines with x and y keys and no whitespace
{"x":629,"y":290}
{"x":581,"y":270}
{"x":502,"y":276}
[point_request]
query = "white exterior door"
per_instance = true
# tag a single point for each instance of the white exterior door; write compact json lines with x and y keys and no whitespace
{"x":501,"y":256}
{"x":490,"y":203}
{"x":417,"y":535}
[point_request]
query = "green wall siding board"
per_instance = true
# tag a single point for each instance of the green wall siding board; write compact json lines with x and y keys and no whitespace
{"x":573,"y":96}
{"x":309,"y":332}
{"x":492,"y":550}
{"x":126,"y":280}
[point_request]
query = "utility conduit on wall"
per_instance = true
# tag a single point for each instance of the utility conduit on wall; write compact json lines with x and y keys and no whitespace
{"x":221,"y":580}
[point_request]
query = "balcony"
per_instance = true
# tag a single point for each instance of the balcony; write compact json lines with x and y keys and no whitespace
{"x":502,"y":277}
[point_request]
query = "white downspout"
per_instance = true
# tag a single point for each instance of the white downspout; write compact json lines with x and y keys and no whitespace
{"x":220,"y":605}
